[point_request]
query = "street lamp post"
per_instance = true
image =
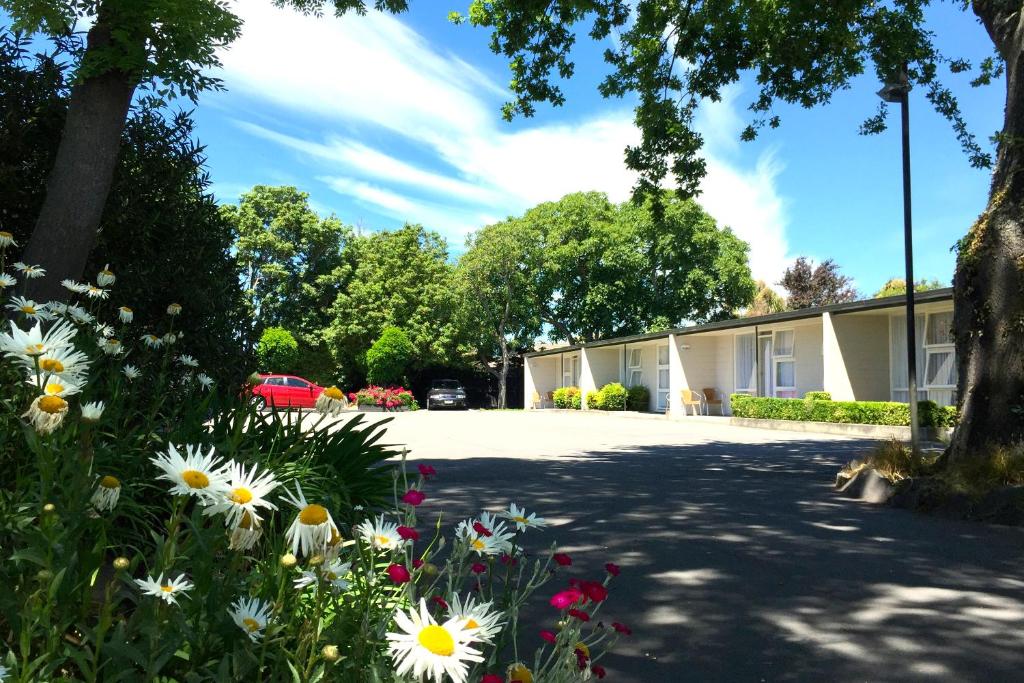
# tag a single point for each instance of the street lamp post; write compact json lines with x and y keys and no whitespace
{"x":899,"y":92}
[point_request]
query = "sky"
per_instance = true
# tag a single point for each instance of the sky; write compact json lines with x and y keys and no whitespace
{"x":388,"y":119}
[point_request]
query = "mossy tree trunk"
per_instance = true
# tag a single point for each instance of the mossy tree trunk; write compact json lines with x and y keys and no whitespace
{"x":989,"y":281}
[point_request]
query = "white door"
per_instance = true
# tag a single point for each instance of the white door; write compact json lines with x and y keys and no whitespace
{"x":663,"y":377}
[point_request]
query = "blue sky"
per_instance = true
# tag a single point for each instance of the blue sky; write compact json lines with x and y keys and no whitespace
{"x":386,"y":119}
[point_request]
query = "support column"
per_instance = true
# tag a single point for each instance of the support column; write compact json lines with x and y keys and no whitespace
{"x":676,"y":377}
{"x":587,"y":384}
{"x":836,"y":378}
{"x":529,"y":386}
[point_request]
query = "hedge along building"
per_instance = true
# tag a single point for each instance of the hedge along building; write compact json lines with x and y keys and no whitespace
{"x":856,"y":351}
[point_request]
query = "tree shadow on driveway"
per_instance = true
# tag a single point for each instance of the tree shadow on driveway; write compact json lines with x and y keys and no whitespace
{"x":741,"y":564}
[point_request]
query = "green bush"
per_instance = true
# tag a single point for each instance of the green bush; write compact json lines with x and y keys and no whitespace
{"x":567,"y":398}
{"x":638,"y":398}
{"x":389,"y":357}
{"x":612,"y":397}
{"x":593,"y":400}
{"x":277,"y":351}
{"x":817,"y":396}
{"x":850,"y":412}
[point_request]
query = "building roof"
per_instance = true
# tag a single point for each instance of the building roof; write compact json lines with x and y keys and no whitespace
{"x":944,"y":294}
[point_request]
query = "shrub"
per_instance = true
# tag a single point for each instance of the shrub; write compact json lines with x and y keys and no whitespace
{"x":638,"y":398}
{"x":612,"y":397}
{"x":277,"y":351}
{"x":893,"y":460}
{"x":390,"y":398}
{"x":817,"y":396}
{"x":851,"y":412}
{"x":389,"y":357}
{"x":593,"y":400}
{"x":567,"y":398}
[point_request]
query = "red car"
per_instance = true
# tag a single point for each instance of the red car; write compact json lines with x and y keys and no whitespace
{"x":286,"y":391}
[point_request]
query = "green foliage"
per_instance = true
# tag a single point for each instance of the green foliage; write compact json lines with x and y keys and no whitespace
{"x":893,"y":460}
{"x":277,"y":351}
{"x":567,"y":398}
{"x":809,"y":285}
{"x":898,"y":287}
{"x":389,"y":357}
{"x":818,"y":396}
{"x":612,"y":396}
{"x":853,"y":412}
{"x":592,"y":400}
{"x":766,"y":301}
{"x":638,"y":398}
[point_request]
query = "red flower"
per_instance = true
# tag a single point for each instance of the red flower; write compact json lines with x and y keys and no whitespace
{"x":622,"y":628}
{"x":413,"y":497}
{"x":408,"y":533}
{"x":478,"y":568}
{"x":437,"y":599}
{"x":548,"y":636}
{"x":566,"y":598}
{"x":612,"y":568}
{"x":598,"y":671}
{"x":417,"y":563}
{"x":579,"y":614}
{"x":509,"y":560}
{"x":427,"y":471}
{"x":492,"y":678}
{"x":594,"y":591}
{"x":481,"y":529}
{"x":398,"y":573}
{"x":562,"y":559}
{"x":581,"y":659}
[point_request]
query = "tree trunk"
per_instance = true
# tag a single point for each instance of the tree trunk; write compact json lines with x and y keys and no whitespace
{"x":989,"y":281}
{"x":79,"y":183}
{"x":503,"y":377}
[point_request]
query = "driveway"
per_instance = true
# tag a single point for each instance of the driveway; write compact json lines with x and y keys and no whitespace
{"x":739,"y":563}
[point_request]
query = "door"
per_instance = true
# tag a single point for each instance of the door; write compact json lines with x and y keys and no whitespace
{"x":300,"y":393}
{"x":664,"y":377}
{"x":765,"y":381}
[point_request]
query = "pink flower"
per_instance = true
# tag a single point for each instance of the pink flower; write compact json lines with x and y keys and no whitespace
{"x":508,"y":560}
{"x":427,"y":471}
{"x":408,"y":533}
{"x":398,"y":573}
{"x":579,"y":614}
{"x":622,"y":628}
{"x":612,"y":568}
{"x":492,"y":678}
{"x":598,"y":670}
{"x":441,"y":602}
{"x":478,"y":568}
{"x":594,"y":590}
{"x":413,"y":497}
{"x":548,"y":636}
{"x":417,"y":563}
{"x":481,"y":529}
{"x":566,"y":598}
{"x":562,"y":559}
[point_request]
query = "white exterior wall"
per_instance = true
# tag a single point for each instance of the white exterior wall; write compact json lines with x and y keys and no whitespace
{"x":606,"y":364}
{"x":541,"y":374}
{"x":807,"y":350}
{"x":858,"y":357}
{"x":587,"y":385}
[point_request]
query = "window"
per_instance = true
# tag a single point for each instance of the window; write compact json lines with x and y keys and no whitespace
{"x":664,"y":378}
{"x":296,"y":383}
{"x":940,"y":353}
{"x":783,"y":364}
{"x":636,"y":375}
{"x":274,"y":381}
{"x":746,"y":379}
{"x":936,"y":357}
{"x":898,"y":357}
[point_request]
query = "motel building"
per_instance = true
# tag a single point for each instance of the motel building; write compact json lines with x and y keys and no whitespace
{"x":855,"y":351}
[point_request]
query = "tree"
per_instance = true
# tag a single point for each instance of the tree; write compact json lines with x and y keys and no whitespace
{"x":676,"y":55}
{"x":496,"y":276}
{"x":389,"y":357}
{"x":166,"y":47}
{"x":898,"y":287}
{"x":809,"y":285}
{"x":401,"y":278}
{"x":277,"y":351}
{"x":766,"y":301}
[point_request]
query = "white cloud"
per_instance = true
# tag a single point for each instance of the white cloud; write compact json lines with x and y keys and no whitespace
{"x":357,"y":79}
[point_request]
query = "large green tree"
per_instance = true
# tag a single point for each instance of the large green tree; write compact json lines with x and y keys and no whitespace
{"x":898,"y":286}
{"x":674,"y":55}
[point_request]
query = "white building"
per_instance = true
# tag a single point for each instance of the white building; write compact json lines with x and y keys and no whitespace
{"x":855,"y":351}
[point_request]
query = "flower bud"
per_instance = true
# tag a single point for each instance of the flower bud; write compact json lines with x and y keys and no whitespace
{"x":316,"y":560}
{"x":288,"y":560}
{"x":331,"y":653}
{"x":44,"y":576}
{"x":121,"y":563}
{"x":429,"y":569}
{"x":49,"y":508}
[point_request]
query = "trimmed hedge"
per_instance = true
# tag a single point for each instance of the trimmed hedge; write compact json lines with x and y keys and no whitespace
{"x":818,"y":396}
{"x":567,"y":397}
{"x":611,"y":397}
{"x":850,"y":412}
{"x":638,"y":398}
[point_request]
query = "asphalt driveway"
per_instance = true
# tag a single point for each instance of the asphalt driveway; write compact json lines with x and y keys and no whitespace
{"x":739,"y":563}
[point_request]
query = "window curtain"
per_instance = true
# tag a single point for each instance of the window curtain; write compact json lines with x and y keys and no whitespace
{"x":898,"y":378}
{"x":745,"y":362}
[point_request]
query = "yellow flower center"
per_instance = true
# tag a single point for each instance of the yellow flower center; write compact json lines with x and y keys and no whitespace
{"x":241,"y":495}
{"x":251,"y":625}
{"x":437,"y":640}
{"x":53,"y":388}
{"x":28,"y":310}
{"x":383,"y":541}
{"x":521,"y":519}
{"x":518,"y":672}
{"x":106,"y":272}
{"x":125,"y":309}
{"x":471,"y":623}
{"x":6,"y":235}
{"x":167,"y":589}
{"x":52,"y":404}
{"x":582,"y":647}
{"x":51,"y":365}
{"x":313,"y":515}
{"x":35,"y":349}
{"x":109,"y":482}
{"x":478,"y":544}
{"x":334,"y":393}
{"x":195,"y":479}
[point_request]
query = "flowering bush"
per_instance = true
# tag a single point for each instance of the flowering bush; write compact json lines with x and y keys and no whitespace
{"x":153,"y":529}
{"x":389,"y":398}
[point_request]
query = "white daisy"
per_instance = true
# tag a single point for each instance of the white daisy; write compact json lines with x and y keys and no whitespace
{"x":380,"y":534}
{"x":431,"y":650}
{"x":3,"y":669}
{"x":165,"y":590}
{"x":204,"y":476}
{"x":245,"y":535}
{"x":105,"y":277}
{"x":46,"y":413}
{"x":174,"y":309}
{"x":108,"y":490}
{"x":252,"y":616}
{"x":331,"y":401}
{"x":29,"y":308}
{"x":57,"y":307}
{"x":188,"y":361}
{"x":333,"y":572}
{"x":7,"y":280}
{"x":125,"y":314}
{"x":110,"y":346}
{"x":65,"y":363}
{"x":96,"y":292}
{"x":170,"y":338}
{"x":205,"y":380}
{"x":247,"y":490}
{"x":72,"y":286}
{"x":130,"y":372}
{"x":104,"y":330}
{"x":481,"y":617}
{"x":34,"y":343}
{"x":91,"y":412}
{"x":7,"y":239}
{"x":80,"y":315}
{"x":30,"y":272}
{"x":521,"y":519}
{"x":152,"y":341}
{"x":313,"y":528}
{"x":494,"y":542}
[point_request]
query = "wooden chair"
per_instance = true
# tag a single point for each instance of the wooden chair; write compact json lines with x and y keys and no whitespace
{"x":537,"y":401}
{"x":692,"y":398}
{"x":549,"y":398}
{"x":713,"y":399}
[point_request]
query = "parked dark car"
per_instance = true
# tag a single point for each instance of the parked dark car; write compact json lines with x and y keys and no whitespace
{"x":446,"y":393}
